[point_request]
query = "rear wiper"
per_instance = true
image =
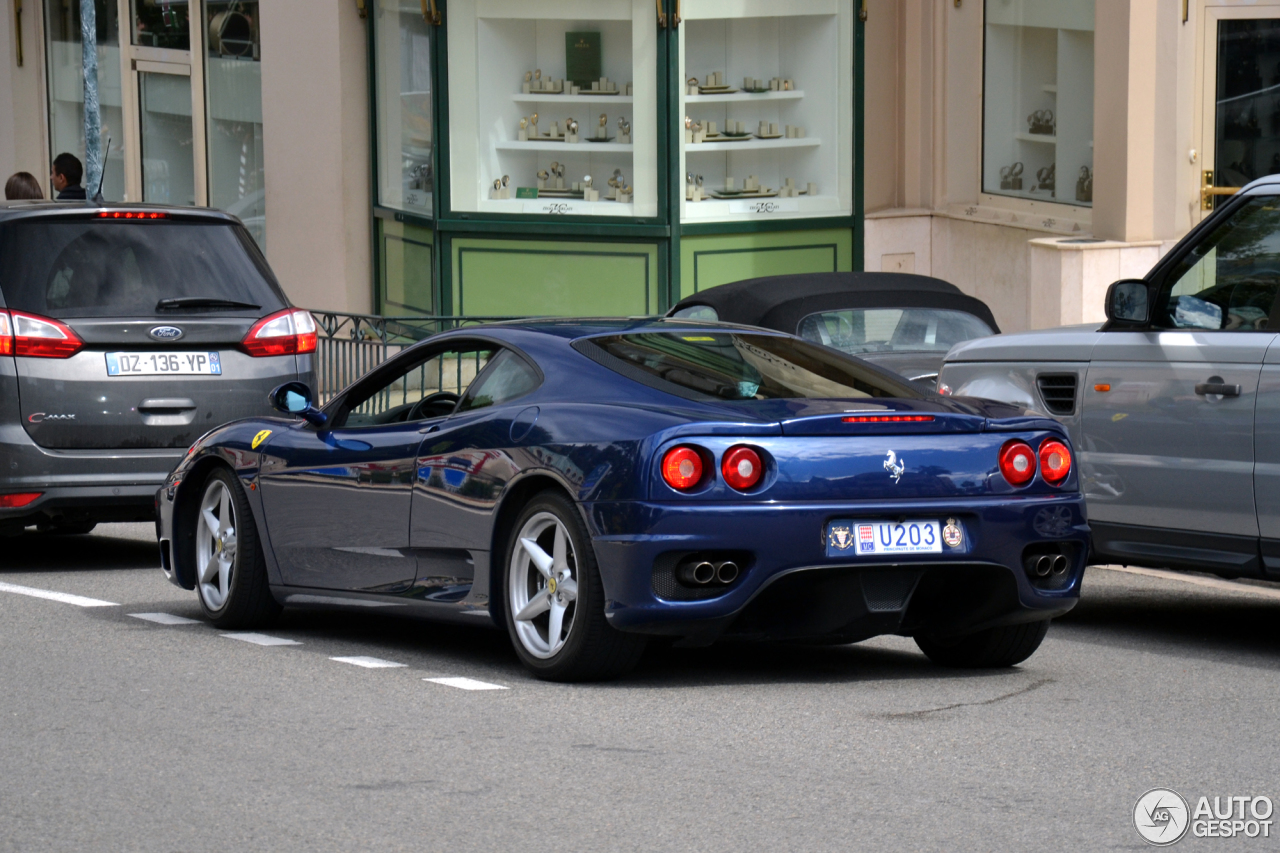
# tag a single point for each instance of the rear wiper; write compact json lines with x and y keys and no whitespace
{"x":201,"y":302}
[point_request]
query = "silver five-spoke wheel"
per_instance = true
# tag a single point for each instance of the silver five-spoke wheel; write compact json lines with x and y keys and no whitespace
{"x":215,"y":544}
{"x":543,"y":585}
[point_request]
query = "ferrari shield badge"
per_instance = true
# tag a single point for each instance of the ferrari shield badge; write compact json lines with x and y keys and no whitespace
{"x":259,"y":438}
{"x":840,"y":537}
{"x":952,"y":534}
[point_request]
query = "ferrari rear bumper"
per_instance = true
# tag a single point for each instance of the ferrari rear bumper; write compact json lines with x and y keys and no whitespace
{"x":794,"y":584}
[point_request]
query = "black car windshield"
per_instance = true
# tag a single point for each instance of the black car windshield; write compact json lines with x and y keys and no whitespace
{"x":859,"y":330}
{"x":91,"y":268}
{"x":744,"y":366}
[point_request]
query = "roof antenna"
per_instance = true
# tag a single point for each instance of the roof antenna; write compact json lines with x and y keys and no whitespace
{"x":97,"y":196}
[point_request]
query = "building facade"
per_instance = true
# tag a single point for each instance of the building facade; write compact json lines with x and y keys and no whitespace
{"x":514,"y":157}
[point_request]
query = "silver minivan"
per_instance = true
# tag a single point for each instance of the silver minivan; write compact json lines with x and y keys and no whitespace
{"x":126,"y":333}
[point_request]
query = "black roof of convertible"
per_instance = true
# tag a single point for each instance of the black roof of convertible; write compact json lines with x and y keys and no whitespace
{"x":782,"y":301}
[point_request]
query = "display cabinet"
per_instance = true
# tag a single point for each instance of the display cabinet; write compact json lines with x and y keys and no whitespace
{"x":1038,"y":100}
{"x":553,"y":107}
{"x":766,"y":103}
{"x":555,"y":179}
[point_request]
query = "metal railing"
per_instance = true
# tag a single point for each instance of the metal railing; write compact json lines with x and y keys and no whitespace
{"x":350,"y":345}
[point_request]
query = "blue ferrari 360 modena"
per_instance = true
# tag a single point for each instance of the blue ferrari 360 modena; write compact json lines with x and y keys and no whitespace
{"x":589,"y":484}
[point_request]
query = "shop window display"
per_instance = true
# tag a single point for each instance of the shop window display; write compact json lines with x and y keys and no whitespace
{"x":766,"y":102}
{"x":404,"y":112}
{"x":1038,"y":100}
{"x":550,"y":115}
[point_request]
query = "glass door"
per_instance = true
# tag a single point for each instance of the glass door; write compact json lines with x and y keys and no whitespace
{"x":164,"y":101}
{"x":1240,"y":99}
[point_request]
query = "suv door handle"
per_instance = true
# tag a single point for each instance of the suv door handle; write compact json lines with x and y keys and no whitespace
{"x":1221,"y":388}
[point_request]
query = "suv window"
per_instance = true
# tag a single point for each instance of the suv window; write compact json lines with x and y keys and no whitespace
{"x":428,"y":386}
{"x":508,"y":377}
{"x":1229,"y":279}
{"x":95,"y":268}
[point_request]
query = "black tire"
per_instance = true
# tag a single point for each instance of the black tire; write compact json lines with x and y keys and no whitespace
{"x":248,"y":603}
{"x":593,"y":650}
{"x":1007,"y":645}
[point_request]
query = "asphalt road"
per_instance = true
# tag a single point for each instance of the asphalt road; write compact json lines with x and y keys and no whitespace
{"x":125,"y":734}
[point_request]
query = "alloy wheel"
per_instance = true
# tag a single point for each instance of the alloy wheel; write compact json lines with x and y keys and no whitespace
{"x":542,"y":585}
{"x":215,"y":544}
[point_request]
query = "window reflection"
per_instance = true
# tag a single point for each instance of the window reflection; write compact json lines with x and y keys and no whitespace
{"x":404,"y":106}
{"x":233,"y":81}
{"x":161,"y":23}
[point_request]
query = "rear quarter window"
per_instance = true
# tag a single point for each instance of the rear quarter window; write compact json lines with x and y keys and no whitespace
{"x":91,"y":268}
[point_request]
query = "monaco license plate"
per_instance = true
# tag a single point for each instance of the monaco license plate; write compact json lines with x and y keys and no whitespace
{"x":866,"y":538}
{"x":164,"y":364}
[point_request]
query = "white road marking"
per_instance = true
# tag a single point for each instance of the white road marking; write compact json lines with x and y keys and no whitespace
{"x":165,"y":618}
{"x":64,"y":597}
{"x":368,"y":662}
{"x":262,"y":639}
{"x":1212,"y":583}
{"x":465,"y":683}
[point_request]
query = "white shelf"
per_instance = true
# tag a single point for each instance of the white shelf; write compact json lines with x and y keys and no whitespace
{"x":721,"y":210}
{"x":752,"y":145}
{"x":1051,"y":88}
{"x":794,"y":94}
{"x":1037,"y":137}
{"x":586,"y":98}
{"x":577,"y":147}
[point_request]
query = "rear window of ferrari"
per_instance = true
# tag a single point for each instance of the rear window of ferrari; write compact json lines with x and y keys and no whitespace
{"x":740,"y":366}
{"x":78,"y":267}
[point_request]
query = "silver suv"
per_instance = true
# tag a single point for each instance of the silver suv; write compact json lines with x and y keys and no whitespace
{"x":126,"y":333}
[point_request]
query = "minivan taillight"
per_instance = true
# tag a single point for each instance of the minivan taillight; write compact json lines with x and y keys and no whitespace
{"x":33,"y":336}
{"x":288,"y":332}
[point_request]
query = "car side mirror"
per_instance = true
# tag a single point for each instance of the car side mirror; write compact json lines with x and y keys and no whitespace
{"x":294,"y":398}
{"x":1128,"y":303}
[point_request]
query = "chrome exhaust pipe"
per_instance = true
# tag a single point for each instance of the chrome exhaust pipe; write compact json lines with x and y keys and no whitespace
{"x":1044,"y":565}
{"x":697,"y":574}
{"x":1059,"y":566}
{"x":727,"y":572}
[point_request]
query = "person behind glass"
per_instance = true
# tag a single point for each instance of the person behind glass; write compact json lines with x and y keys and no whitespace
{"x":65,"y":177}
{"x":22,"y":185}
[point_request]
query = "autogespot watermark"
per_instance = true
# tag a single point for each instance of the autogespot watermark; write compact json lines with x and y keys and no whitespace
{"x":1162,"y":817}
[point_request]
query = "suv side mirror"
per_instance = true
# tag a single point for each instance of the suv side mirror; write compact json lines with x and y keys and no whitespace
{"x":294,"y":398}
{"x":1128,"y":303}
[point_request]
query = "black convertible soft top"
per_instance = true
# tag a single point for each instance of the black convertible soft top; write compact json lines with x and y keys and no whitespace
{"x":782,"y":301}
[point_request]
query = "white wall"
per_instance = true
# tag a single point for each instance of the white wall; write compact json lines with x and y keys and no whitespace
{"x":22,"y":123}
{"x":315,"y":93}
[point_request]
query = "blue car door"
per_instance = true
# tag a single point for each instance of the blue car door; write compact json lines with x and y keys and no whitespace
{"x":338,"y":499}
{"x":464,"y":463}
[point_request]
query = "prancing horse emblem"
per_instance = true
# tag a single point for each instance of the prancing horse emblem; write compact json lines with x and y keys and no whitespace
{"x":894,"y":466}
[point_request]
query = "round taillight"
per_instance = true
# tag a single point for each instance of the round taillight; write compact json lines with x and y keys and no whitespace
{"x":1055,"y":461}
{"x":742,"y":468}
{"x":1017,"y":462}
{"x":682,"y":468}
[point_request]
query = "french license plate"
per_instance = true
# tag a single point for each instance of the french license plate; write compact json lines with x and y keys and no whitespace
{"x":866,"y":538}
{"x":164,"y":364}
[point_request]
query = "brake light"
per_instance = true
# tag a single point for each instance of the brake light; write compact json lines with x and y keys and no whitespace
{"x":18,"y":499}
{"x":888,"y":419}
{"x":1055,"y":461}
{"x":132,"y":214}
{"x":742,"y":468}
{"x":288,"y":332}
{"x":1017,"y":462}
{"x":37,"y":337}
{"x":682,"y":468}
